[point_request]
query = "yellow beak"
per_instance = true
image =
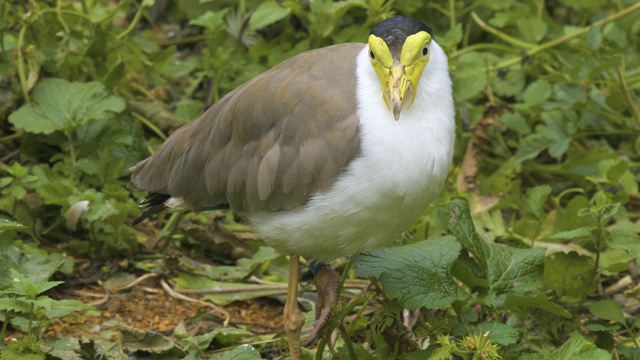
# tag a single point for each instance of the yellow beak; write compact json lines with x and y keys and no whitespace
{"x":398,"y":85}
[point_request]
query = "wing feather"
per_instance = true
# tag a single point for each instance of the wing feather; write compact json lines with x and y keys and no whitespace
{"x":268,"y":145}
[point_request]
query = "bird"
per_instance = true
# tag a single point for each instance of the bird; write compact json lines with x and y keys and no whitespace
{"x":331,"y":153}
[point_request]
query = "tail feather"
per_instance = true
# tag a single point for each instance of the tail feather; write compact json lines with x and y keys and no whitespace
{"x":154,"y":203}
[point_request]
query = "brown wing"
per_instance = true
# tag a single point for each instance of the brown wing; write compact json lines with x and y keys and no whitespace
{"x":269,"y":144}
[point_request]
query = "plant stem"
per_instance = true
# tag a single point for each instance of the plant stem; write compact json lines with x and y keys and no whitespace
{"x":347,"y":341}
{"x":627,"y":94}
{"x":21,"y":71}
{"x":504,"y":37}
{"x":150,"y":125}
{"x":134,"y":22}
{"x":563,"y":39}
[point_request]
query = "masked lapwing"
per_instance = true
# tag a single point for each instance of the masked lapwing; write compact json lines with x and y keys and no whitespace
{"x":333,"y":152}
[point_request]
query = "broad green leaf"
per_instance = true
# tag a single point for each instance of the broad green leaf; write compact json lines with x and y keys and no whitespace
{"x":417,"y":274}
{"x":539,"y":301}
{"x":451,"y":38}
{"x":16,"y":305}
{"x":534,"y":201}
{"x":501,"y":334}
{"x":225,"y":336}
{"x":6,"y":224}
{"x":508,"y":82}
{"x":516,"y":122}
{"x":608,"y":310}
{"x":532,"y":29}
{"x":457,"y":219}
{"x":569,"y":94}
{"x":577,"y":347}
{"x":537,"y":92}
{"x":59,"y":105}
{"x":625,"y":239}
{"x":594,"y":38}
{"x":266,"y":14}
{"x":514,"y":270}
{"x":242,"y":352}
{"x":581,"y":232}
{"x":469,"y":78}
{"x":569,"y":275}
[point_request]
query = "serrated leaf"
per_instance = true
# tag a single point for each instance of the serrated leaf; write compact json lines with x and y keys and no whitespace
{"x":625,"y":239}
{"x":417,"y":274}
{"x":59,"y":105}
{"x":16,"y":305}
{"x":608,"y":310}
{"x":537,"y":92}
{"x":266,"y":14}
{"x":514,"y":270}
{"x":569,"y":275}
{"x":534,"y":201}
{"x":501,"y":334}
{"x":457,"y":219}
{"x":577,"y":347}
{"x":539,"y":301}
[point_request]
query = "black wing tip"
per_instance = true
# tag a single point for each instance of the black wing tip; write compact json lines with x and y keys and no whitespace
{"x":154,"y":203}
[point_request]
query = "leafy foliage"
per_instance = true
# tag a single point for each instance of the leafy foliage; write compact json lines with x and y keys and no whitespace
{"x":546,"y":163}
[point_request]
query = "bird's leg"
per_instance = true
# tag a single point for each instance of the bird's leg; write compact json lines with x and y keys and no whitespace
{"x":293,"y":318}
{"x":328,"y":286}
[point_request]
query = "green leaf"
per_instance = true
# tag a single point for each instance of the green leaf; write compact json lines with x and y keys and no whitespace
{"x":608,"y":310}
{"x":514,"y":270}
{"x":16,"y":305}
{"x":516,"y":122}
{"x":501,"y":334}
{"x":594,"y":38}
{"x":537,"y":92}
{"x":225,"y":336}
{"x":59,"y":105}
{"x":266,"y":14}
{"x":242,"y":352}
{"x":417,"y":274}
{"x":577,"y":347}
{"x":569,"y":94}
{"x":457,"y":219}
{"x":534,"y":201}
{"x":251,"y":291}
{"x":625,"y":239}
{"x":6,"y":224}
{"x":569,"y":275}
{"x":532,"y":29}
{"x":539,"y":301}
{"x":579,"y":233}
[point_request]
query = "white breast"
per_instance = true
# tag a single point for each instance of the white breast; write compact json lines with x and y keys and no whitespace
{"x":402,"y":167}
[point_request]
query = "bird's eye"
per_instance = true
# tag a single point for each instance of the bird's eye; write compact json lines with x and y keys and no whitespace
{"x":425,"y":51}
{"x":371,"y":55}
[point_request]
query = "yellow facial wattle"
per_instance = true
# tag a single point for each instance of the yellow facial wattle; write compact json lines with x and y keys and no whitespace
{"x":399,"y":76}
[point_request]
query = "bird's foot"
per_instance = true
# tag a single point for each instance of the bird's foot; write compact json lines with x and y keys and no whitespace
{"x":328,"y":286}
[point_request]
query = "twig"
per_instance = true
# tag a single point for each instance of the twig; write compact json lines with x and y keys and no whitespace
{"x":627,"y":93}
{"x":179,"y":296}
{"x":506,"y":38}
{"x":138,"y":280}
{"x":555,"y":42}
